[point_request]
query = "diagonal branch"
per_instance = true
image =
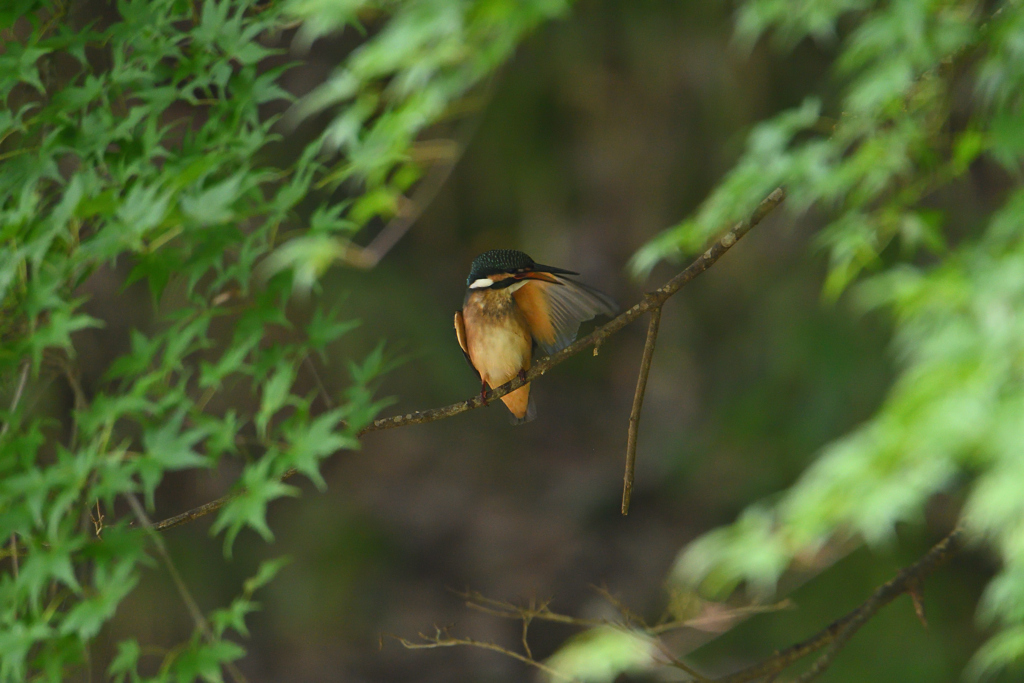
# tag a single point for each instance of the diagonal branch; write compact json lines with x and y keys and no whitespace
{"x":638,"y":404}
{"x":836,"y":634}
{"x":652,"y":301}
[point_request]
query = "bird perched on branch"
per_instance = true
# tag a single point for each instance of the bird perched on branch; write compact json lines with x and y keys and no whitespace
{"x":514,"y":306}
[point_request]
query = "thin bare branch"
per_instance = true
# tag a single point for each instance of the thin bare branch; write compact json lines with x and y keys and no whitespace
{"x":442,"y":639}
{"x":914,"y":591}
{"x":653,"y":300}
{"x":70,"y":370}
{"x":508,"y":610}
{"x":638,"y":404}
{"x":630,"y":619}
{"x":201,"y":511}
{"x":186,"y":596}
{"x":526,"y":643}
{"x":674,"y":661}
{"x":714,"y":621}
{"x":836,"y":634}
{"x":628,"y":622}
{"x":319,"y":384}
{"x":22,"y":379}
{"x":15,"y":400}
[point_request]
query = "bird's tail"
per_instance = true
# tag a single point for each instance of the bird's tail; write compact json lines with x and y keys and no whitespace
{"x":521,"y":406}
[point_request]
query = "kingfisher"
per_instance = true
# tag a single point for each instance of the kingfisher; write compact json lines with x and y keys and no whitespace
{"x":514,"y":306}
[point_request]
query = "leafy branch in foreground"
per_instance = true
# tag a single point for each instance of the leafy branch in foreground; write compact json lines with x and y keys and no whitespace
{"x":136,"y":146}
{"x":931,"y":92}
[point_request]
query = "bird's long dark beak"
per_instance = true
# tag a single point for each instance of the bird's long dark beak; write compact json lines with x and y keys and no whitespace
{"x":541,"y":268}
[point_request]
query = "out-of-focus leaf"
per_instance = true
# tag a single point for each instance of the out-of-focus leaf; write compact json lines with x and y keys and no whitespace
{"x":602,"y":654}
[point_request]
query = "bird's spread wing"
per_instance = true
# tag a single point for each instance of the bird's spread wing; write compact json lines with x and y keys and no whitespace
{"x":555,"y":306}
{"x":460,"y":332}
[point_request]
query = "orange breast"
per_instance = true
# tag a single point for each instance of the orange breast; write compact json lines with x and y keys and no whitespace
{"x":498,"y":342}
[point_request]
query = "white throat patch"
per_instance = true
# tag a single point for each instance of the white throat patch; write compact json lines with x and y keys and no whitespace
{"x":482,"y":282}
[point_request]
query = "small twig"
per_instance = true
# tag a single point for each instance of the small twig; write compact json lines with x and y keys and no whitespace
{"x":202,"y":510}
{"x":710,"y":621}
{"x":186,"y":596}
{"x":914,"y":591}
{"x":15,"y":400}
{"x":629,"y":622}
{"x":596,"y":338}
{"x":179,"y":583}
{"x":638,"y":404}
{"x":630,"y":618}
{"x":526,"y":644}
{"x":320,"y":385}
{"x":507,"y":610}
{"x":836,"y":634}
{"x":81,"y":402}
{"x":17,"y":395}
{"x":14,"y":553}
{"x":441,"y":639}
{"x":97,"y":521}
{"x":678,"y":663}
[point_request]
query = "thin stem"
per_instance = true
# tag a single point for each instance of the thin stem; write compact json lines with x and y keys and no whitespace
{"x":319,"y":384}
{"x":3,"y":431}
{"x":432,"y":642}
{"x":638,"y":404}
{"x":186,"y":596}
{"x":17,"y":395}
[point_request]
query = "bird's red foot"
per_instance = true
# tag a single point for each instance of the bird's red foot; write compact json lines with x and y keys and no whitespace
{"x":522,"y":374}
{"x":483,"y":394}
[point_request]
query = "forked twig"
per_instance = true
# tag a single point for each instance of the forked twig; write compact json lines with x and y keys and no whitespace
{"x":833,"y":637}
{"x":442,"y":639}
{"x":628,"y":622}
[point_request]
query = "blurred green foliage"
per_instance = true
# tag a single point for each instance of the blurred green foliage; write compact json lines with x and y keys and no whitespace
{"x":876,"y":162}
{"x":138,"y":135}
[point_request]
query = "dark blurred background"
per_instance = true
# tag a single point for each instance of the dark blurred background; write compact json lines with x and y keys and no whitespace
{"x":606,"y":128}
